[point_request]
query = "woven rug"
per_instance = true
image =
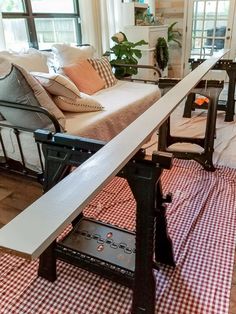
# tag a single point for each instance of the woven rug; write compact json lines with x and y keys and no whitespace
{"x":202,"y":225}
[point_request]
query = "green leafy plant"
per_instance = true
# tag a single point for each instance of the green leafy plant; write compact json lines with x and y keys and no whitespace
{"x":174,"y":35}
{"x":162,"y":49}
{"x":162,"y":53}
{"x":125,"y":52}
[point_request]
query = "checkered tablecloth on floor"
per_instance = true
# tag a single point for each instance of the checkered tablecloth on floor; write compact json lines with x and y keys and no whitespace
{"x":202,"y":225}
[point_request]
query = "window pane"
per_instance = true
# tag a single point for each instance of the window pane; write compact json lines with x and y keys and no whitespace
{"x":209,"y":27}
{"x":211,"y":9}
{"x":199,"y":9}
{"x":223,"y":24}
{"x":196,"y":43}
{"x":53,"y":6}
{"x":16,"y":34}
{"x":12,"y":6}
{"x":223,"y":9}
{"x":55,"y":30}
{"x":197,"y":28}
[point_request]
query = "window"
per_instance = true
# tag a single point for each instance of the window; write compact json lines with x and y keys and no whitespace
{"x":40,"y":23}
{"x":209,"y":25}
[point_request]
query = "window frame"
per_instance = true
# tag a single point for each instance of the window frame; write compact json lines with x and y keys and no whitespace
{"x":29,"y":16}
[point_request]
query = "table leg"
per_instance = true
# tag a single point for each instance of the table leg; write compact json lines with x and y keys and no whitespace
{"x":229,"y":115}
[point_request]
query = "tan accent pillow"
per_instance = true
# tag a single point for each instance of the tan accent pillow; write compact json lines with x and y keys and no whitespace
{"x":80,"y":104}
{"x":104,"y":69}
{"x":66,"y":54}
{"x":57,"y":84}
{"x":85,"y":77}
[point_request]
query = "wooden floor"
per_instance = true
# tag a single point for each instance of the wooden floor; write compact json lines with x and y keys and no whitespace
{"x":16,"y":193}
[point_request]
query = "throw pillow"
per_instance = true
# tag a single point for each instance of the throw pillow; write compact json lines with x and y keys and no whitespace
{"x":18,"y":86}
{"x":65,"y":54}
{"x":104,"y":69}
{"x":31,"y":60}
{"x":85,"y":77}
{"x":5,"y":66}
{"x":79,"y":104}
{"x":57,"y":84}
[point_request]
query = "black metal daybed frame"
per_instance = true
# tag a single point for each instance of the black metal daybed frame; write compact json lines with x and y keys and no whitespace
{"x":20,"y":167}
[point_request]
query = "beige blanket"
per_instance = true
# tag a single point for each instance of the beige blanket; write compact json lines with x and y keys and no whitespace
{"x":123,"y":103}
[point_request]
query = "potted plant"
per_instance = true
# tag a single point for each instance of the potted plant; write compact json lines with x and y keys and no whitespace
{"x":125,"y":52}
{"x":174,"y":35}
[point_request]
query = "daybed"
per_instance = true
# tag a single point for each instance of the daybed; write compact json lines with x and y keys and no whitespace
{"x":102,"y":115}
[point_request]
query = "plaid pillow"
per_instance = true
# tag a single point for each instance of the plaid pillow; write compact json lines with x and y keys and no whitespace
{"x":103,"y":67}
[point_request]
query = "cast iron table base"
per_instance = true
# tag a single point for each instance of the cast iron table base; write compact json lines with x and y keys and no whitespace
{"x":117,"y":254}
{"x":211,"y":90}
{"x":228,"y":106}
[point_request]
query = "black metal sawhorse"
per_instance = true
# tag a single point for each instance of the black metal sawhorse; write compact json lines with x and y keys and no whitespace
{"x":211,"y":90}
{"x":229,"y":105}
{"x":96,"y":246}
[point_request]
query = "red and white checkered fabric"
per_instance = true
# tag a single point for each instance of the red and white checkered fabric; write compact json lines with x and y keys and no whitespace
{"x":202,"y":225}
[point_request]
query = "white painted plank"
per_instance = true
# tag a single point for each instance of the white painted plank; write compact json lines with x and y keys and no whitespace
{"x":31,"y":232}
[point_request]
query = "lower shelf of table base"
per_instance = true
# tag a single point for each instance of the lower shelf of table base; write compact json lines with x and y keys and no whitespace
{"x":100,"y":248}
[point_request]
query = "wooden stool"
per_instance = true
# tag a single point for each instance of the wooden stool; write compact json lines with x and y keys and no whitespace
{"x":211,"y":90}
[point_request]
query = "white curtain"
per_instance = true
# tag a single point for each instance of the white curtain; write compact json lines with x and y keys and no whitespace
{"x":2,"y":38}
{"x":100,"y":19}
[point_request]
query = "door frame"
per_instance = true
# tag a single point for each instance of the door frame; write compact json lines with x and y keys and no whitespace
{"x":187,"y":28}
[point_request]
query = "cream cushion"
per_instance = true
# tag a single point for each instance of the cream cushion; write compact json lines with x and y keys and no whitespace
{"x":57,"y":84}
{"x":85,"y":103}
{"x":31,"y":60}
{"x":66,"y":54}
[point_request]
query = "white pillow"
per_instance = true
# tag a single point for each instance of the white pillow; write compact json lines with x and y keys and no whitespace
{"x":84,"y":103}
{"x":66,"y":55}
{"x":31,"y":60}
{"x":57,"y":84}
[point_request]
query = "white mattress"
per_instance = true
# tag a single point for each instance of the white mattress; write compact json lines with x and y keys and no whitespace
{"x":123,"y":103}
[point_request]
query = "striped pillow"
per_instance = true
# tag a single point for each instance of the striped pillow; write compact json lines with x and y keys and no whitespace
{"x":85,"y":103}
{"x":103,"y":67}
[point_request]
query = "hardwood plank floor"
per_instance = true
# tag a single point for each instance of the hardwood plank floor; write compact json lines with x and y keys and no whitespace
{"x":16,"y":193}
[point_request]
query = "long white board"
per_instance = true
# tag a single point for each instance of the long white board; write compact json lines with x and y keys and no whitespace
{"x":32,"y":231}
